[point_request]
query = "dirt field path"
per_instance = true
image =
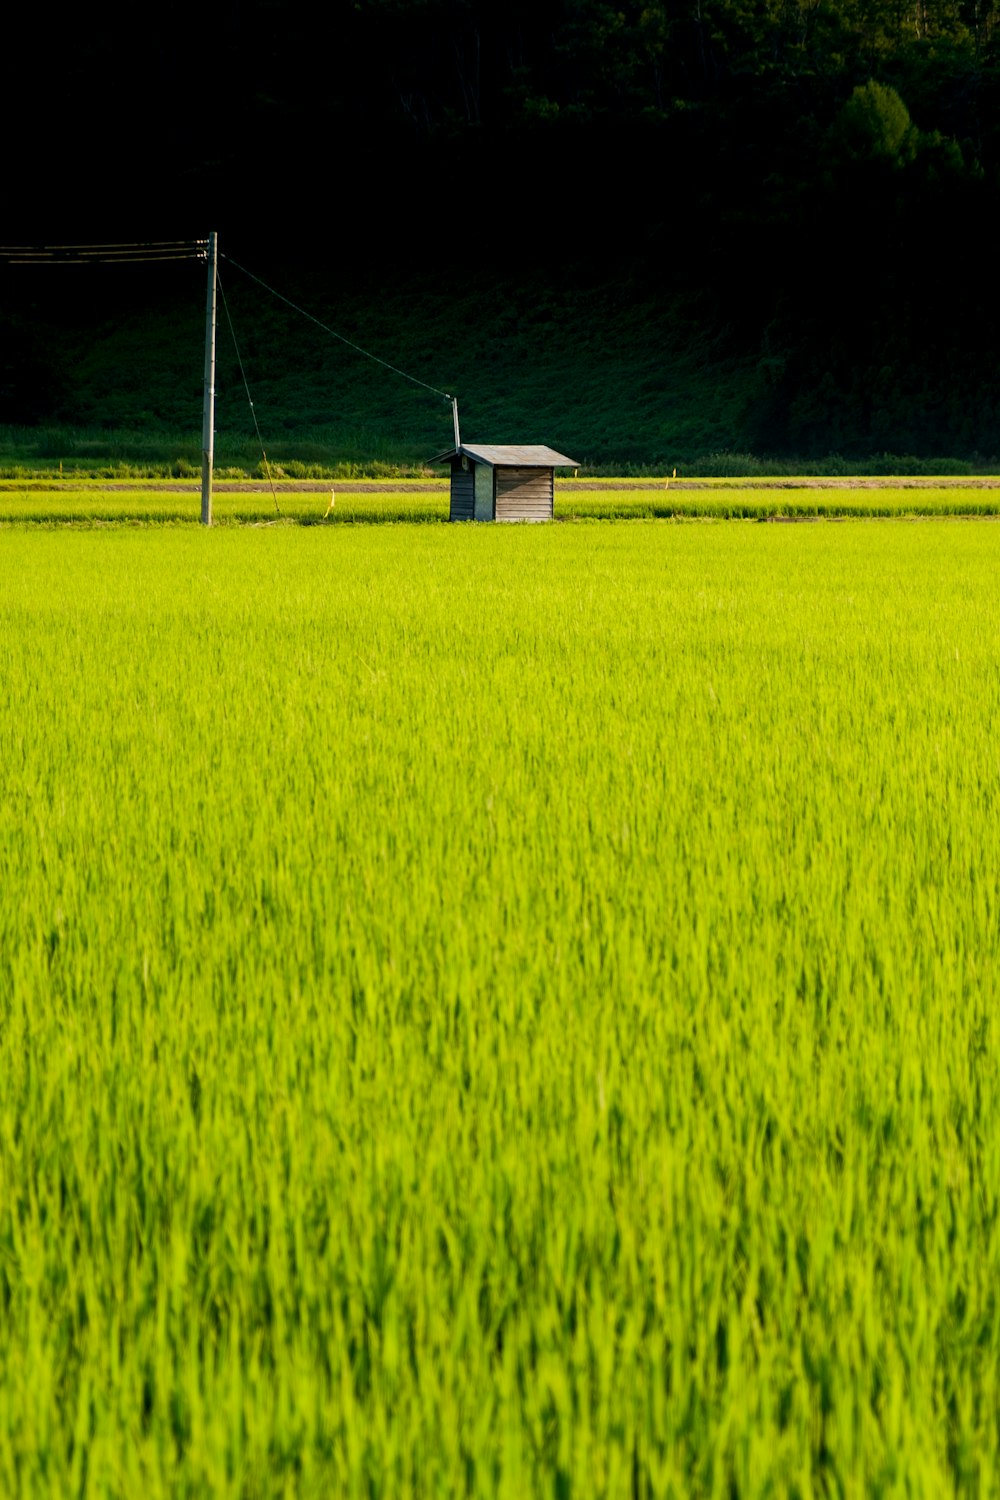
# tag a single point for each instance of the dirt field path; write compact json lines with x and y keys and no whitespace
{"x":389,"y":487}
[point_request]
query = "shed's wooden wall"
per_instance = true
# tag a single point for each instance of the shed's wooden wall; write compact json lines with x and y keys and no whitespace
{"x":524,"y":494}
{"x":462,"y":494}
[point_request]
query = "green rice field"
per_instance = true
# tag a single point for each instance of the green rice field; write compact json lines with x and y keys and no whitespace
{"x":47,"y":502}
{"x":498,"y":1011}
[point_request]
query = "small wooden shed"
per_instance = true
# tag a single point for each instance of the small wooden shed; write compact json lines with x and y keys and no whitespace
{"x":503,"y":481}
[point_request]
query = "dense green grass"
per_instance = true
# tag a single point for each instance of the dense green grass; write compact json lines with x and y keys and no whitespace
{"x":722,"y":501}
{"x":499,"y":1010}
{"x":156,"y":453}
{"x":38,"y":502}
{"x":322,"y":450}
{"x":98,"y":505}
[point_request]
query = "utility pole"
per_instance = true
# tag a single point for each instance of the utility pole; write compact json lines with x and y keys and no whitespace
{"x":208,"y":411}
{"x":454,"y":417}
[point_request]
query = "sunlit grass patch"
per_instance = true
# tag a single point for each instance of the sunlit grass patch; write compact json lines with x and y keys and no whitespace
{"x":97,"y":505}
{"x":43,"y":502}
{"x":730,"y":500}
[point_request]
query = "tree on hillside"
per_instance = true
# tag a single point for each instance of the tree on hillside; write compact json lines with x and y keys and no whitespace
{"x":875,"y":125}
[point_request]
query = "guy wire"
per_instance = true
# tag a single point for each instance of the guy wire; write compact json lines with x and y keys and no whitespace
{"x":246,"y":387}
{"x":333,"y":332}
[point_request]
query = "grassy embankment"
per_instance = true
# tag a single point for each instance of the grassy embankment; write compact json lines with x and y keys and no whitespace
{"x":499,"y":1011}
{"x":613,"y":371}
{"x":580,"y":368}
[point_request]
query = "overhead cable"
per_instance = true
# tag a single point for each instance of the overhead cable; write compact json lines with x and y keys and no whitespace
{"x":110,"y":254}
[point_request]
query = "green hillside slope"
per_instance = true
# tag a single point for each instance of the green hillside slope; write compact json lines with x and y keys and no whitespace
{"x":594,"y":367}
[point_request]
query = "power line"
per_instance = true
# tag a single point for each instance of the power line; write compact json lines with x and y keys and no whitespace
{"x":145,"y":251}
{"x":106,"y":254}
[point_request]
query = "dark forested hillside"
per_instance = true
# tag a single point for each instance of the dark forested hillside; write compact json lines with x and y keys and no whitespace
{"x":790,"y":201}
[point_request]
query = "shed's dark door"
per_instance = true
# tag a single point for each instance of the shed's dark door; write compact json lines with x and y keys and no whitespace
{"x":462,"y":493}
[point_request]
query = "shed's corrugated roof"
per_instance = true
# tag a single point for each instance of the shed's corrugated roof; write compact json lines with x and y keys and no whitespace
{"x":519,"y":455}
